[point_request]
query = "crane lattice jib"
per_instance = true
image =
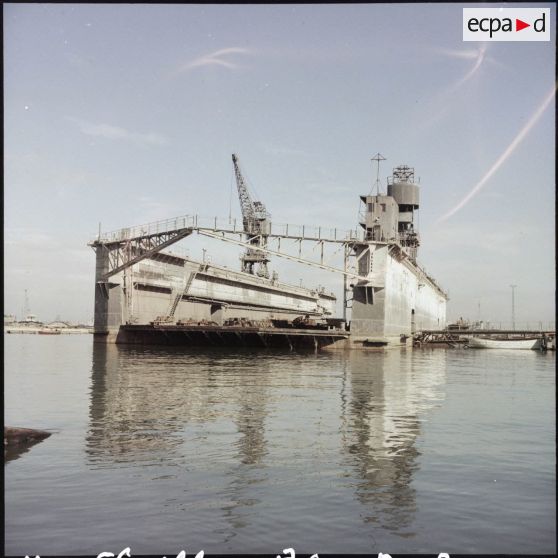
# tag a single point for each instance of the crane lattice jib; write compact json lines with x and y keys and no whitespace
{"x":255,"y":220}
{"x":246,"y":204}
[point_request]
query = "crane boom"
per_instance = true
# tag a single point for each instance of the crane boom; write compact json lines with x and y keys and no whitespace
{"x":255,"y":221}
{"x":246,"y":204}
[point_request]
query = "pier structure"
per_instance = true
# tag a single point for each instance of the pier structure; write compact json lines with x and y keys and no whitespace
{"x":456,"y":337}
{"x":390,"y":296}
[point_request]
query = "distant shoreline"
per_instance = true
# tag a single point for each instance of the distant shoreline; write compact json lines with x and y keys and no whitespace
{"x":36,"y":329}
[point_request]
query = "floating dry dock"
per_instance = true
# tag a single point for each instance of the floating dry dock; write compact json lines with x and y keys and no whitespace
{"x":143,"y":293}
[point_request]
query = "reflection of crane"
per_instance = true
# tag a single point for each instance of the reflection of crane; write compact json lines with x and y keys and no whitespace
{"x":255,"y":220}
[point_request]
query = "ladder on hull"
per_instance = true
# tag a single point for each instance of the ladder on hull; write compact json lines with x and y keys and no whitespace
{"x":176,"y":297}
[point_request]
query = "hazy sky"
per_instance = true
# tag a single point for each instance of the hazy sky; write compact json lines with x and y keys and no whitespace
{"x":124,"y":114}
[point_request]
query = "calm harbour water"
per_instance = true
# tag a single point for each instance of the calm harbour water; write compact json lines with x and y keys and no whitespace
{"x":164,"y":449}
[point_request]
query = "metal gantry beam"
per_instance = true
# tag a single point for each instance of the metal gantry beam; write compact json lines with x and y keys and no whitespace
{"x":129,"y":246}
{"x":124,"y":253}
{"x":276,"y":230}
{"x":283,"y":255}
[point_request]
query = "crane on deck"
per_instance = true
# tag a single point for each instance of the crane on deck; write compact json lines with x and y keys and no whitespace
{"x":257,"y":225}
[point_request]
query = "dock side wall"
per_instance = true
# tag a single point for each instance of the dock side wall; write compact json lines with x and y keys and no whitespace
{"x":369,"y":299}
{"x":368,"y":312}
{"x":412,"y":303}
{"x":208,"y":293}
{"x":430,"y":308}
{"x":398,"y":301}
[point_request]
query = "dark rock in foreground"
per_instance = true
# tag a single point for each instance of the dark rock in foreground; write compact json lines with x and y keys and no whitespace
{"x":18,"y":441}
{"x":20,"y":436}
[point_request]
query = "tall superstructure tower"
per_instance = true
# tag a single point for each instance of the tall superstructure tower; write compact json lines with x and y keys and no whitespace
{"x":405,"y":192}
{"x":391,"y":217}
{"x":393,"y":295}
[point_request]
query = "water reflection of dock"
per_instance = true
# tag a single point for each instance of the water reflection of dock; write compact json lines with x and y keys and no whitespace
{"x":145,"y":401}
{"x":384,"y":403}
{"x":236,"y":433}
{"x":156,"y":409}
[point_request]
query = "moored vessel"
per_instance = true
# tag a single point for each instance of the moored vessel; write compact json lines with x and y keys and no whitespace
{"x":532,"y":343}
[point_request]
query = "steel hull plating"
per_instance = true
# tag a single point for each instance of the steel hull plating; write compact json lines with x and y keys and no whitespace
{"x":397,"y":299}
{"x":199,"y":293}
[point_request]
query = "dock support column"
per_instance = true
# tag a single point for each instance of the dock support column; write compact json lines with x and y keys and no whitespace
{"x":289,"y":342}
{"x":217,"y":314}
{"x":101,"y":291}
{"x":108,"y":300}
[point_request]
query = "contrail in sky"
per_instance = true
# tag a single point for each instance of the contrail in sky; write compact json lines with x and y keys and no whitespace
{"x":215,"y":58}
{"x":479,"y":60}
{"x":500,"y":161}
{"x":443,"y":100}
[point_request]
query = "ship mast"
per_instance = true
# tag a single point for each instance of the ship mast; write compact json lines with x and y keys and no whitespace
{"x":378,"y":157}
{"x":26,"y":308}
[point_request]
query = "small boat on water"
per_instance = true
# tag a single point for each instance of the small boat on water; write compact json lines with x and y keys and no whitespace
{"x":533,"y":343}
{"x":49,"y":332}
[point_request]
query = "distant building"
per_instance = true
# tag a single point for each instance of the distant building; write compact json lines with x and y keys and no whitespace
{"x":31,"y":319}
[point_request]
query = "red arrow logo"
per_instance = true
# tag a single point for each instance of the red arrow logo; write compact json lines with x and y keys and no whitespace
{"x":519,"y":25}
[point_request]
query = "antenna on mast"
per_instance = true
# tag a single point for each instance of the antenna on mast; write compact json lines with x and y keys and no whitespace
{"x":26,"y":308}
{"x":378,"y":157}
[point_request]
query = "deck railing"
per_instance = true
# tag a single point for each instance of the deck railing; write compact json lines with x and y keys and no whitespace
{"x":216,"y":224}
